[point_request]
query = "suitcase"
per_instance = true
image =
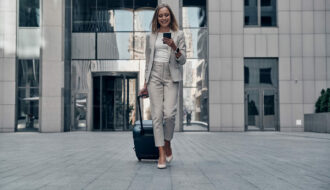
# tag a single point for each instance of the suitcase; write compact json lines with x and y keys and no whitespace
{"x":143,"y":136}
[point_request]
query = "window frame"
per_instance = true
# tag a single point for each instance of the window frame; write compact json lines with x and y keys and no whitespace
{"x":259,"y":16}
{"x":18,"y":15}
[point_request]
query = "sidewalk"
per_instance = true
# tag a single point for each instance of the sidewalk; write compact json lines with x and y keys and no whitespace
{"x":202,"y":161}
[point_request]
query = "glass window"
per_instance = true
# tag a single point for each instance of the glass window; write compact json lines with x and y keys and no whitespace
{"x":265,"y":76}
{"x":29,"y":13}
{"x":145,"y":4}
{"x":194,"y":13}
{"x":140,"y":42}
{"x":193,"y":17}
{"x":251,"y":12}
{"x":28,"y":73}
{"x":118,"y":45}
{"x":142,"y":19}
{"x":196,"y":42}
{"x":267,"y":10}
{"x":268,"y":13}
{"x":195,"y":78}
{"x":83,"y":16}
{"x":28,"y":95}
{"x":269,"y":105}
{"x":111,"y":19}
{"x":246,"y":75}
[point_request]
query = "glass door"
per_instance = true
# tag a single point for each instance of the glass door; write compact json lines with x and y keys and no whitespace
{"x":252,"y":106}
{"x":114,"y":102}
{"x":270,"y":110}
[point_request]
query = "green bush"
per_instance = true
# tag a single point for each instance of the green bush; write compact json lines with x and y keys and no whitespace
{"x":323,"y":102}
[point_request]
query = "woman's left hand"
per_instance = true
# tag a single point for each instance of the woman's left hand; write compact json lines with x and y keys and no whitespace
{"x":169,"y":42}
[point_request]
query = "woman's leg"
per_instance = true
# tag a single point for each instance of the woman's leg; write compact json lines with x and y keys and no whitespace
{"x":168,"y":148}
{"x":156,"y":95}
{"x":171,"y":90}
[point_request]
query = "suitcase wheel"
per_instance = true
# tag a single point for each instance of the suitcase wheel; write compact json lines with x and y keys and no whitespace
{"x":139,"y":159}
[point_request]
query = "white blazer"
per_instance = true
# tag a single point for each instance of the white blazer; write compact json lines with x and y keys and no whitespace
{"x":175,"y":63}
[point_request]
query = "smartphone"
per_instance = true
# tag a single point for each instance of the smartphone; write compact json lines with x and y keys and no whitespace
{"x":167,"y":35}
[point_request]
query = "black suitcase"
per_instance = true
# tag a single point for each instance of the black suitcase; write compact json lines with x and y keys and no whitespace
{"x":143,"y":136}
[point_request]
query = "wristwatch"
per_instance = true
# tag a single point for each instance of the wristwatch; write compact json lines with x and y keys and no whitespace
{"x":177,"y":50}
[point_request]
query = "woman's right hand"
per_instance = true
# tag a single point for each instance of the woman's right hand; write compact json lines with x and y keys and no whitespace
{"x":144,"y":92}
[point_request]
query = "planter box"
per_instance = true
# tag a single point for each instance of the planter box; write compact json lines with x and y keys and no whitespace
{"x":317,"y":122}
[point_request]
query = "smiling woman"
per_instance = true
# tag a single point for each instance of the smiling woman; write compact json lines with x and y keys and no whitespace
{"x":165,"y":56}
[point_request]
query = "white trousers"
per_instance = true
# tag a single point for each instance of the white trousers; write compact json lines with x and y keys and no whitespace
{"x":163,"y":93}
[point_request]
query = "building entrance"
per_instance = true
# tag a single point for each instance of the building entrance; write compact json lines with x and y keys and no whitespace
{"x":261,"y":94}
{"x":114,"y":100}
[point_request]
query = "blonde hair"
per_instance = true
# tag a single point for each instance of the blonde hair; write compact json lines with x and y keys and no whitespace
{"x":154,"y":23}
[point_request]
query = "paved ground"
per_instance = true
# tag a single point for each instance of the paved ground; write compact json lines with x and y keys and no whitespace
{"x":202,"y":160}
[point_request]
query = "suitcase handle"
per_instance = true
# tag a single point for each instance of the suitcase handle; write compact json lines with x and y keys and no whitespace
{"x":140,"y":114}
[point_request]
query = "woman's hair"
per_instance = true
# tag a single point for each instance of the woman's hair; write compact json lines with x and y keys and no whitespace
{"x":154,"y":23}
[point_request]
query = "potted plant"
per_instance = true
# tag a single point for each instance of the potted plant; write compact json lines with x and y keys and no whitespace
{"x":320,"y":121}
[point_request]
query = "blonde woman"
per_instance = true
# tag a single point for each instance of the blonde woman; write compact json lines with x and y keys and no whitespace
{"x":163,"y":72}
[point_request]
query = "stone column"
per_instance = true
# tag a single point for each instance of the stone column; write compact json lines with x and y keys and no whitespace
{"x":7,"y":65}
{"x":52,"y":65}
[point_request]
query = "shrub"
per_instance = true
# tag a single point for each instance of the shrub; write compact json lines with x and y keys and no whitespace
{"x":323,"y":102}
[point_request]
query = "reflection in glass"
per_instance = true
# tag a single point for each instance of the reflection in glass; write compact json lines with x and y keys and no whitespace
{"x":246,"y":75}
{"x":117,"y":45}
{"x":251,"y":12}
{"x":194,"y":74}
{"x":260,"y":72}
{"x":265,"y":75}
{"x":142,"y":19}
{"x":28,"y":95}
{"x":269,"y":105}
{"x":196,"y":43}
{"x":29,"y":13}
{"x":270,"y":112}
{"x":193,"y":17}
{"x":80,"y":113}
{"x":83,"y":16}
{"x":145,"y":4}
{"x":268,"y":13}
{"x":28,"y":73}
{"x":110,"y":20}
{"x":114,"y":102}
{"x":28,"y":109}
{"x":140,"y":42}
{"x":195,"y":114}
{"x":195,"y":95}
{"x":117,"y":4}
{"x":253,"y":109}
{"x":79,"y":75}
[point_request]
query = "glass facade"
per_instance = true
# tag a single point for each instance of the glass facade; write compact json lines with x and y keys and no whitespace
{"x":107,"y":16}
{"x":29,"y":13}
{"x":28,"y":65}
{"x":195,"y":78}
{"x":28,"y":95}
{"x":265,"y":8}
{"x":113,"y":30}
{"x":109,"y":40}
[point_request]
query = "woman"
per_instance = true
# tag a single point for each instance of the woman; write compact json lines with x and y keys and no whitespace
{"x":163,"y":72}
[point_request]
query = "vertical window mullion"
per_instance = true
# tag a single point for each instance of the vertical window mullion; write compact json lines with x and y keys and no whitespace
{"x":259,"y":12}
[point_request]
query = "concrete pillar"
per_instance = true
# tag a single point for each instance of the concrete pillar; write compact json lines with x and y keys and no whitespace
{"x":7,"y":65}
{"x":52,"y":65}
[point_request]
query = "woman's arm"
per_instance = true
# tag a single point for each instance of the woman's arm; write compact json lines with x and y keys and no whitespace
{"x":181,"y":56}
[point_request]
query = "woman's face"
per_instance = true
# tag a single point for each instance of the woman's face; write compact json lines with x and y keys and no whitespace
{"x":164,"y":17}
